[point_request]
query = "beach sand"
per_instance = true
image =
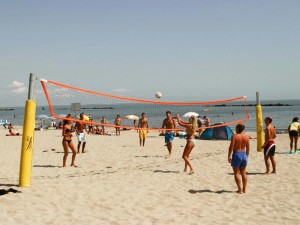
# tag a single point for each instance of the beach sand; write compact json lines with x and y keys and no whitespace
{"x":119,"y":182}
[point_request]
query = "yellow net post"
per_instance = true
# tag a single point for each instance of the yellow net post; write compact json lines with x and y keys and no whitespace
{"x":259,"y":124}
{"x":28,"y":137}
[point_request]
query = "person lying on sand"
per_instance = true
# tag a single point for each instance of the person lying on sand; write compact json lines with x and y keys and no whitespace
{"x":13,"y":133}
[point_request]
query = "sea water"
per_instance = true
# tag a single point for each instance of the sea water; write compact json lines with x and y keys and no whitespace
{"x":282,"y":115}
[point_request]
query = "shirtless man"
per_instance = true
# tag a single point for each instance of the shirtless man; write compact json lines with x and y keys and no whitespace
{"x":143,"y":123}
{"x":238,"y":153}
{"x":103,"y":121}
{"x":269,"y":145}
{"x":118,"y":122}
{"x":206,"y":121}
{"x":80,"y":127}
{"x":170,"y":124}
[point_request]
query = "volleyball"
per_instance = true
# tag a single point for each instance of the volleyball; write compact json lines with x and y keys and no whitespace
{"x":158,"y":94}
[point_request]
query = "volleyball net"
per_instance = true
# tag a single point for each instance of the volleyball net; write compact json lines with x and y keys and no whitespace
{"x":64,"y":99}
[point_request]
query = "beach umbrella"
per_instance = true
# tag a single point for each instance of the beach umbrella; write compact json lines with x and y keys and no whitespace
{"x":43,"y":117}
{"x":132,"y":117}
{"x":189,"y":114}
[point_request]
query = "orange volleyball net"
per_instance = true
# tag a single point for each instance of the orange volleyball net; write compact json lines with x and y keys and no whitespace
{"x":64,"y":99}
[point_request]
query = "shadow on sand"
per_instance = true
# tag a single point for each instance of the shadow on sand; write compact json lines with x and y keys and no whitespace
{"x":162,"y":171}
{"x":209,"y":191}
{"x":46,"y":166}
{"x":4,"y":192}
{"x":9,"y":185}
{"x":148,"y":156}
{"x":250,"y":174}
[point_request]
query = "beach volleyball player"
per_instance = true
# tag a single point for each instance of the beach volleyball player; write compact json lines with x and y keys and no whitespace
{"x":238,"y":153}
{"x":170,"y":124}
{"x":269,"y":145}
{"x":143,"y":123}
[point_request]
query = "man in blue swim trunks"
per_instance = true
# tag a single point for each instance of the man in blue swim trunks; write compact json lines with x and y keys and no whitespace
{"x":169,"y":124}
{"x":238,"y":153}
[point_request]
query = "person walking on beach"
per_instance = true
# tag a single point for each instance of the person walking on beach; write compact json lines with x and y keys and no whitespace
{"x":80,"y":127}
{"x":103,"y":121}
{"x":294,"y":131}
{"x":191,"y":127}
{"x":118,"y":122}
{"x":143,"y":123}
{"x":269,"y":145}
{"x":67,"y":141}
{"x":169,"y":124}
{"x":238,"y":153}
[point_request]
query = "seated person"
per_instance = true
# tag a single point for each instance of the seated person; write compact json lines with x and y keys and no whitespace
{"x":10,"y":126}
{"x":97,"y":130}
{"x":53,"y":123}
{"x":13,"y":134}
{"x":59,"y":126}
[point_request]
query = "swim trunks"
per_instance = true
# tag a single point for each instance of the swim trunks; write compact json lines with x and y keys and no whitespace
{"x":169,"y":137}
{"x":142,"y":134}
{"x":81,"y":137}
{"x":239,"y":159}
{"x":269,"y":148}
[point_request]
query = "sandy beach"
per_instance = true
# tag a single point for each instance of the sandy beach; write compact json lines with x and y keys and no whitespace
{"x":119,"y":182}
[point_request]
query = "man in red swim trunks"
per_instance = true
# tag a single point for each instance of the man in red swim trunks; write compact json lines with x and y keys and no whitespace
{"x":269,"y":145}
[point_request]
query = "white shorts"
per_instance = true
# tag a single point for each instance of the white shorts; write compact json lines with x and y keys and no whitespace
{"x":81,"y":137}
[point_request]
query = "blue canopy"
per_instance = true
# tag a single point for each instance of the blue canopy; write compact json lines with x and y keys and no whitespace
{"x":217,"y":133}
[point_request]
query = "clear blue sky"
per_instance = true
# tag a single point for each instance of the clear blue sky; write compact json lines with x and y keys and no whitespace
{"x":187,"y":49}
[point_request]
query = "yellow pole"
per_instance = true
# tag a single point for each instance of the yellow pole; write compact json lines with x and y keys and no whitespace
{"x":27,"y":139}
{"x":259,"y":126}
{"x":27,"y":144}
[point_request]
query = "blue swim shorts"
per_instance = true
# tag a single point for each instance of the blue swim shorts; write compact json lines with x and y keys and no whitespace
{"x":239,"y":159}
{"x":169,"y":137}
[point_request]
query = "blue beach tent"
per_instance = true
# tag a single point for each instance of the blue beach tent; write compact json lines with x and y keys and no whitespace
{"x":217,"y":133}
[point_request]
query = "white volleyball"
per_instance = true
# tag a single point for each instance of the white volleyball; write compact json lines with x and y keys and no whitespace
{"x":158,"y":94}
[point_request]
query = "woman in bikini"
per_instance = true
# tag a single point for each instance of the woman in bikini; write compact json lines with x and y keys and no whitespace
{"x":191,"y":127}
{"x":67,"y":141}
